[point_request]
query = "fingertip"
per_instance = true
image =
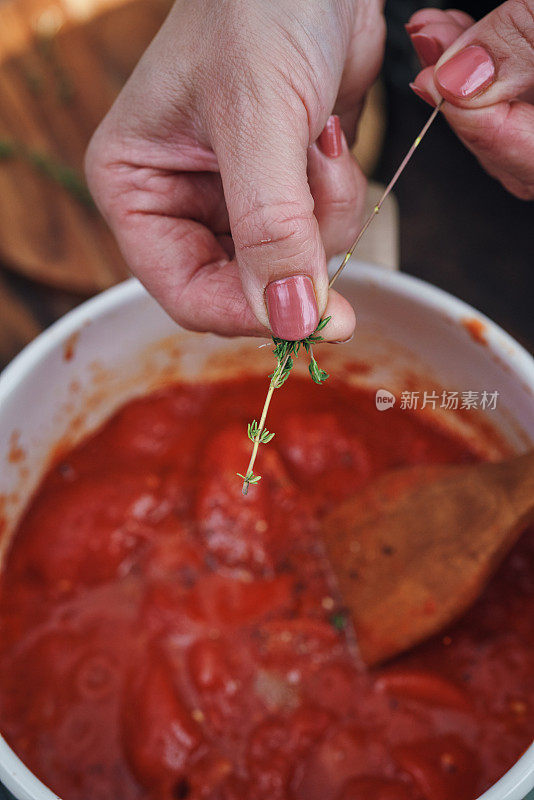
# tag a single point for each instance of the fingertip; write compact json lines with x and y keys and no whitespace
{"x":342,"y":323}
{"x":427,"y":47}
{"x":461,"y":17}
{"x":422,"y":17}
{"x":330,"y":141}
{"x":424,"y":87}
{"x":338,"y":187}
{"x":413,"y":27}
{"x":422,"y":94}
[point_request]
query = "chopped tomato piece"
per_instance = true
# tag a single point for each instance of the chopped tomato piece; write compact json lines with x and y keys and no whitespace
{"x":159,"y":732}
{"x":442,"y":768}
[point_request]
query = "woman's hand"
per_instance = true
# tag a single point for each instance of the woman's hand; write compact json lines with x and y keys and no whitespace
{"x":208,"y":167}
{"x":485,"y":72}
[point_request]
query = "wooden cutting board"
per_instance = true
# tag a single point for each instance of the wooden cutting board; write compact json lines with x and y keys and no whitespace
{"x":62,"y":62}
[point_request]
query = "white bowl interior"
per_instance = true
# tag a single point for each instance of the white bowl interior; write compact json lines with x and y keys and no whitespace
{"x":122,"y":344}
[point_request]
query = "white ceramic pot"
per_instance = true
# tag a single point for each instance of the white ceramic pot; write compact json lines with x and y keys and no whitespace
{"x":121,"y":344}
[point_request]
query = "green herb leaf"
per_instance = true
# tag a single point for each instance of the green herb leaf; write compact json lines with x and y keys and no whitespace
{"x":254,"y":433}
{"x":318,"y":375}
{"x":322,"y":324}
{"x":249,"y":478}
{"x":285,"y":352}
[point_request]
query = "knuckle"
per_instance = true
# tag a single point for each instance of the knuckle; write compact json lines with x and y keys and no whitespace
{"x":479,"y":138}
{"x":485,"y":133}
{"x":503,"y":148}
{"x":345,"y":214}
{"x":102,"y":178}
{"x":345,"y":207}
{"x":347,"y":202}
{"x":270,"y":224}
{"x":514,"y":25}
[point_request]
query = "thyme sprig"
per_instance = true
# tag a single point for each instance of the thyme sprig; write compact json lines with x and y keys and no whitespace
{"x":286,"y":353}
{"x":250,"y":478}
{"x":254,"y":430}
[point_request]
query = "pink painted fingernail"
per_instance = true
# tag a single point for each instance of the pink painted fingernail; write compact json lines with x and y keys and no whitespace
{"x":292,"y":307}
{"x":428,"y":48}
{"x":414,"y":27}
{"x":330,"y":139}
{"x":423,"y":95}
{"x":467,"y":73}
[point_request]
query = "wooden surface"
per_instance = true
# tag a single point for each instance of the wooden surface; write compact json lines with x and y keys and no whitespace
{"x":61,"y":65}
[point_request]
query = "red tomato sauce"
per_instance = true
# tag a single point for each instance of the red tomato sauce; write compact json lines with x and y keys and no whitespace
{"x":163,"y":637}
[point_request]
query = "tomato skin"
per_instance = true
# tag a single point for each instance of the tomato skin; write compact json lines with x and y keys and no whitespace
{"x":96,"y":536}
{"x":226,"y":602}
{"x":441,"y":768}
{"x":276,"y":748}
{"x":423,"y":686}
{"x":317,"y":448}
{"x":159,"y":733}
{"x":163,"y":637}
{"x":239,"y":532}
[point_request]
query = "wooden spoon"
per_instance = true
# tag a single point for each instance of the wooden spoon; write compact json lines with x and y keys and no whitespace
{"x":415,"y":549}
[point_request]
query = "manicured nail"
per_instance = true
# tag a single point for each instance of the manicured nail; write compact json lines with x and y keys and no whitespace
{"x":428,"y":48}
{"x":467,"y":73}
{"x":414,"y":27}
{"x":292,"y":307}
{"x":423,"y":95}
{"x":330,"y":139}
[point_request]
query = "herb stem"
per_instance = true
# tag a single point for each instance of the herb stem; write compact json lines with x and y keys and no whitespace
{"x":284,"y":350}
{"x":387,"y":191}
{"x":272,"y":387}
